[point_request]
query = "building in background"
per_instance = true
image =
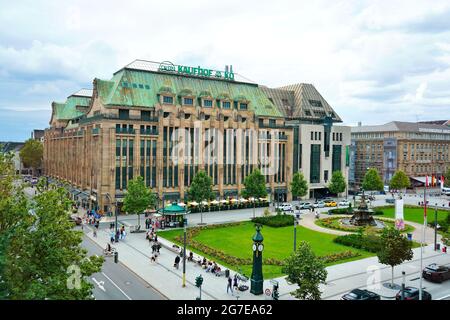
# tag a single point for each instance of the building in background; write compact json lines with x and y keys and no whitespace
{"x":166,"y":122}
{"x":419,"y":149}
{"x":15,"y":148}
{"x":38,"y":134}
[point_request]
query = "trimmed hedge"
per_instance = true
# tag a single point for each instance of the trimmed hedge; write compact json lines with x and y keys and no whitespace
{"x":275,"y":221}
{"x":341,"y":211}
{"x":369,"y":243}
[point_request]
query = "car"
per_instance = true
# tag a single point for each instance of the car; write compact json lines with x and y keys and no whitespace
{"x":76,"y":219}
{"x":344,"y":203}
{"x":318,"y":204}
{"x":286,"y":207}
{"x":359,"y":294}
{"x":412,"y":293}
{"x":390,"y":200}
{"x":304,"y":205}
{"x":436,"y":273}
{"x":330,"y":203}
{"x":34,"y":180}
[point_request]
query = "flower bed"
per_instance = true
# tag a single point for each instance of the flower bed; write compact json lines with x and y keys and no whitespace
{"x":334,"y":223}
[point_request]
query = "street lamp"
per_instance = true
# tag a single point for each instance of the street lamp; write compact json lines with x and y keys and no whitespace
{"x":435,"y":227}
{"x":184,"y":249}
{"x":297,"y":216}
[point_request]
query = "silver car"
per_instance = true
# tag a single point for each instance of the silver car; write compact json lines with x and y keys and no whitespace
{"x":318,"y":204}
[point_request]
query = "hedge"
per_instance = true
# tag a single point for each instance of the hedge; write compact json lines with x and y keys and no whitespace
{"x":366,"y":242}
{"x":275,"y":221}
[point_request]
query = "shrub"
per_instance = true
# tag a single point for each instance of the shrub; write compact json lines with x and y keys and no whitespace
{"x":267,"y":213}
{"x":275,"y":221}
{"x":341,"y":211}
{"x":369,"y":243}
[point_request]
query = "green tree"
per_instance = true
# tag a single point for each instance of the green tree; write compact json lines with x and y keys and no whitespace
{"x":306,"y":270}
{"x":399,"y":181}
{"x":372,"y":181}
{"x":395,"y":249}
{"x":44,"y":259}
{"x":254,"y":186}
{"x":138,"y":198}
{"x":338,"y":183}
{"x":201,"y":187}
{"x":447,"y":178}
{"x":31,"y":154}
{"x":299,"y":185}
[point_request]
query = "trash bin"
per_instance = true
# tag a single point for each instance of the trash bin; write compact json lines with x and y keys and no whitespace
{"x":227,"y":273}
{"x":409,"y":235}
{"x":116,"y":257}
{"x":438,"y":246}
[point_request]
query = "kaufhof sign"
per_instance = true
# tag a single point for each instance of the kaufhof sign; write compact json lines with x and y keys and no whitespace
{"x":195,"y":71}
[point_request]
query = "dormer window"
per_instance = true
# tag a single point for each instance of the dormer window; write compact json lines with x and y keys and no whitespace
{"x":188,"y":101}
{"x":243,"y":106}
{"x":167,"y":100}
{"x":207,"y":103}
{"x":226,"y":104}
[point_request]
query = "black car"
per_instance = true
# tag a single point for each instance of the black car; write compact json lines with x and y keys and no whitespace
{"x":412,"y":293}
{"x":436,"y":273}
{"x":358,"y":294}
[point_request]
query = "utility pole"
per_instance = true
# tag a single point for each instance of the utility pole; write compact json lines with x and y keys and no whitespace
{"x":435,"y":227}
{"x":184,"y":251}
{"x":403,"y":285}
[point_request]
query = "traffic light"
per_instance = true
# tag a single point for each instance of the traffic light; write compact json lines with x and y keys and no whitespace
{"x":198,"y":281}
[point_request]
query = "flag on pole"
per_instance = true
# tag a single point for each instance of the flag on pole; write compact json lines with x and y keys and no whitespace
{"x":425,"y":198}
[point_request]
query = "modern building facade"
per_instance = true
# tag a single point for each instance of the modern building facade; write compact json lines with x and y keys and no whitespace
{"x":166,"y":122}
{"x":418,"y":149}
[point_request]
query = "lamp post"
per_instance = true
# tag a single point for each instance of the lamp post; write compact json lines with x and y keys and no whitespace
{"x":184,"y":249}
{"x":403,"y":285}
{"x":257,"y":280}
{"x":435,"y":227}
{"x":297,"y":216}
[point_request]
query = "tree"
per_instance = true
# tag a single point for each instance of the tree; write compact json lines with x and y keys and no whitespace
{"x":31,"y":154}
{"x":254,"y":186}
{"x":299,"y":185}
{"x":201,"y":187}
{"x":447,"y":178}
{"x":372,"y":181}
{"x":394,"y":250}
{"x":337,"y":184}
{"x":306,"y":270}
{"x":44,"y":259}
{"x":399,"y":181}
{"x":138,"y":198}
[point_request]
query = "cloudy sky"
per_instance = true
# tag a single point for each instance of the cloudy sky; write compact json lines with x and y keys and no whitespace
{"x":373,"y":61}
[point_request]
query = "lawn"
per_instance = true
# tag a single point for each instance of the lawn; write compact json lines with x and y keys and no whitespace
{"x":278,"y":244}
{"x":415,"y":214}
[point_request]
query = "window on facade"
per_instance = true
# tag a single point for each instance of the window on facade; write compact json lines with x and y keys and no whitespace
{"x":207,"y":103}
{"x":188,"y":101}
{"x":312,"y":135}
{"x":124,"y":114}
{"x":243,"y":106}
{"x":272,"y":122}
{"x":167,"y":99}
{"x":226,"y":105}
{"x":316,"y":103}
{"x":308,"y":113}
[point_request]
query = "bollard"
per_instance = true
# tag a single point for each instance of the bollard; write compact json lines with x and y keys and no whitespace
{"x":116,"y":257}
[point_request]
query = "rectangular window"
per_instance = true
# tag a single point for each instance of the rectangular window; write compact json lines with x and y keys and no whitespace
{"x":315,"y":164}
{"x":188,"y":101}
{"x":336,"y":158}
{"x":167,"y":100}
{"x":124,"y":114}
{"x":145,"y":115}
{"x":226,"y":105}
{"x":243,"y":106}
{"x":207,"y":103}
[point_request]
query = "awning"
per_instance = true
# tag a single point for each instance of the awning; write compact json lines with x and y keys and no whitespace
{"x":420,"y":179}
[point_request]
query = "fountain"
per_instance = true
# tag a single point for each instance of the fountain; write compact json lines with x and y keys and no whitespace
{"x":362,"y":216}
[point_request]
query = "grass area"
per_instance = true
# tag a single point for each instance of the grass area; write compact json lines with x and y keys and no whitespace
{"x":415,"y":214}
{"x":278,"y":244}
{"x":334,"y":223}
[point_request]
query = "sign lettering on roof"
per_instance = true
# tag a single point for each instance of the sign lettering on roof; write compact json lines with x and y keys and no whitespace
{"x":196,"y":71}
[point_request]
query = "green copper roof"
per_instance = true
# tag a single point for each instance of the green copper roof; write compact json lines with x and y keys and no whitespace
{"x":68,"y":110}
{"x":141,"y":89}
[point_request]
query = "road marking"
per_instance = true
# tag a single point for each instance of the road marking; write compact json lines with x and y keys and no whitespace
{"x":99,"y":284}
{"x":445,"y":297}
{"x":116,"y":286}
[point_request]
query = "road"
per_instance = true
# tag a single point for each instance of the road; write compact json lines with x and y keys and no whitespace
{"x":116,"y":282}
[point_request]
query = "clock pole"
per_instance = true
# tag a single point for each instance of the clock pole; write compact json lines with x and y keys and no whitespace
{"x":256,"y":280}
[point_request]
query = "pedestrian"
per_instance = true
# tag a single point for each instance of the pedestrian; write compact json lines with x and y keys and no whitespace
{"x":117,"y":236}
{"x":229,"y":287}
{"x":97,"y":224}
{"x":95,"y":233}
{"x":153,"y":248}
{"x":156,"y":237}
{"x":235,"y":282}
{"x":111,"y":234}
{"x":177,"y":262}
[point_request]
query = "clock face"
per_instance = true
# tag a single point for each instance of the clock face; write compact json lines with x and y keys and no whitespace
{"x":260,"y":247}
{"x":254,"y":247}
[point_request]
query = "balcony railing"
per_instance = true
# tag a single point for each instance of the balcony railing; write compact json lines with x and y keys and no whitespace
{"x":149,"y":132}
{"x":126,"y":130}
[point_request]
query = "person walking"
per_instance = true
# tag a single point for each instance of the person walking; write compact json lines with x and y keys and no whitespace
{"x":235,"y":282}
{"x":111,"y":236}
{"x":95,"y":233}
{"x":229,"y":287}
{"x":177,"y":262}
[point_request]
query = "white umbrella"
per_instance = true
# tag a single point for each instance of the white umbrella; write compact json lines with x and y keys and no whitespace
{"x":234,"y":200}
{"x":193,"y":203}
{"x":157,"y":215}
{"x":214,"y":202}
{"x":252,"y":199}
{"x":205,"y":203}
{"x":182,"y":204}
{"x":224,"y":201}
{"x":263,"y":199}
{"x":243,"y":200}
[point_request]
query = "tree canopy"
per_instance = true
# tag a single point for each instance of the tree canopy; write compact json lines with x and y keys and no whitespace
{"x":201,"y":187}
{"x":138,"y":197}
{"x":31,"y":153}
{"x":447,"y":178}
{"x":254,"y":185}
{"x":299,"y":185}
{"x":372,"y":181}
{"x":306,"y":270}
{"x":338,"y":183}
{"x":399,"y":181}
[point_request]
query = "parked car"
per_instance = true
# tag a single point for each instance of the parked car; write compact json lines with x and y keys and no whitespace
{"x":344,"y":203}
{"x":34,"y":180}
{"x":412,"y":293}
{"x":76,"y":219}
{"x":390,"y":200}
{"x":318,"y":204}
{"x":286,"y":207}
{"x":436,"y":273}
{"x":304,"y":205}
{"x":330,"y":203}
{"x":358,"y":294}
